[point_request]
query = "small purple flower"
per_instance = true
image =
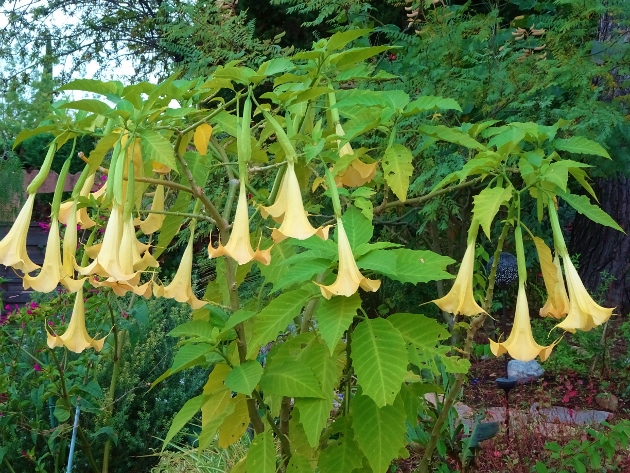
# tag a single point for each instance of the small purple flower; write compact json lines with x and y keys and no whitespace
{"x":34,"y":305}
{"x":36,"y":367}
{"x":44,"y":226}
{"x":104,"y":177}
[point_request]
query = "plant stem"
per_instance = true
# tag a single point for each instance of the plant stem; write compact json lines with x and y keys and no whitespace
{"x":178,"y":214}
{"x":451,"y":397}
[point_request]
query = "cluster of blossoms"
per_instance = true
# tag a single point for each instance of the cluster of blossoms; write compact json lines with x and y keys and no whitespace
{"x":125,"y":264}
{"x":575,"y":306}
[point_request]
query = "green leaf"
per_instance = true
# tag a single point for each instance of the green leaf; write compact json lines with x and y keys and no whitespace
{"x":291,"y":379}
{"x":236,"y":318}
{"x":277,"y":316}
{"x":261,"y":457}
{"x":381,"y":261}
{"x":27,"y":133}
{"x":157,"y":148}
{"x":398,"y":169}
{"x":430,"y":102}
{"x":451,"y":135}
{"x":314,"y":414}
{"x":322,"y":363}
{"x":341,"y":456}
{"x":334,"y":316}
{"x":94,"y":86}
{"x":512,"y":136}
{"x":358,"y":228}
{"x":299,"y":464}
{"x":190,"y":354}
{"x":340,"y":39}
{"x":354,"y":55}
{"x":88,"y":105}
{"x":487,"y":204}
{"x":302,"y":272}
{"x":380,"y":432}
{"x":580,"y":145}
{"x":379,"y":357}
{"x":274,"y":66}
{"x":193,"y":328}
{"x":244,"y":378}
{"x":190,"y":408}
{"x":419,"y":330}
{"x":416,"y":266}
{"x":172,"y":223}
{"x":583,"y":205}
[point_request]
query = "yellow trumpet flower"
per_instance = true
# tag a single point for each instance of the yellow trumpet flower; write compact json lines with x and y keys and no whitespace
{"x":557,"y":305}
{"x":154,"y":222}
{"x":76,"y":338}
{"x":107,"y":261}
{"x":13,"y":245}
{"x":521,"y":344}
{"x":82,"y":216}
{"x":121,"y":288}
{"x":134,"y":255}
{"x":349,"y":278}
{"x":289,"y":209}
{"x":69,"y":250}
{"x":358,"y":172}
{"x":239,"y":246}
{"x":180,"y":287}
{"x":584,"y":312}
{"x":52,"y":270}
{"x":460,"y":299}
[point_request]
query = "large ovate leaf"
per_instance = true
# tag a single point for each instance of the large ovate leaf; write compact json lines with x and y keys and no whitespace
{"x":334,"y":316}
{"x":381,"y":261}
{"x":235,"y":424}
{"x":94,"y":86}
{"x":190,"y":408}
{"x":358,"y":228}
{"x":314,"y":414}
{"x":418,"y":329}
{"x":291,"y":379}
{"x":379,"y":358}
{"x":299,"y":464}
{"x":189,"y":354}
{"x":302,"y":272}
{"x":451,"y":135}
{"x":398,"y":168}
{"x":261,"y":457}
{"x":416,"y":266}
{"x":580,"y":145}
{"x":341,"y":39}
{"x":430,"y":102}
{"x":157,"y":148}
{"x":213,"y":412}
{"x":487,"y":204}
{"x":582,"y":205}
{"x":201,"y":138}
{"x":244,"y":378}
{"x":277,"y":316}
{"x":87,"y":105}
{"x":342,"y":456}
{"x":380,"y":432}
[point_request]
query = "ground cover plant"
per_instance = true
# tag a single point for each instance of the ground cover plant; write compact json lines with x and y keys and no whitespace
{"x":294,"y":333}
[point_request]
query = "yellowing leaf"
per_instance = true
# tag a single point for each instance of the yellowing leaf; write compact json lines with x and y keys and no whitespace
{"x":202,"y":136}
{"x":235,"y":424}
{"x":398,"y":169}
{"x":487,"y":204}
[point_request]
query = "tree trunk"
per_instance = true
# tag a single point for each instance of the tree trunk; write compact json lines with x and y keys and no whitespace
{"x":603,"y":249}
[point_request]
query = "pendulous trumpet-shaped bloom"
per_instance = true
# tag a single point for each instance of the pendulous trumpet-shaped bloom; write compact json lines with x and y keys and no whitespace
{"x":584,"y":312}
{"x":557,"y":305}
{"x":460,"y":299}
{"x":69,"y":250}
{"x":357,"y":173}
{"x":180,"y":287}
{"x":52,"y":270}
{"x":82,"y":216}
{"x":521,"y":344}
{"x":349,"y":278}
{"x":76,"y":338}
{"x":154,"y":221}
{"x":13,"y":245}
{"x":289,"y":209}
{"x":239,"y":245}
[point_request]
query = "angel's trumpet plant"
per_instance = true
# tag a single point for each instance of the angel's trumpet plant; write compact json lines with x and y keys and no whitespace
{"x":290,"y":209}
{"x":460,"y":299}
{"x":239,"y":245}
{"x":521,"y":344}
{"x":82,"y":216}
{"x":76,"y":337}
{"x":52,"y":270}
{"x":69,"y":250}
{"x":583,"y":313}
{"x":557,"y":305}
{"x":357,"y":173}
{"x":180,"y":287}
{"x":349,"y":278}
{"x":154,"y":221}
{"x":13,"y":245}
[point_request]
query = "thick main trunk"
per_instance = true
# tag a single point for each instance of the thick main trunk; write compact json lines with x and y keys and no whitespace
{"x":603,"y":249}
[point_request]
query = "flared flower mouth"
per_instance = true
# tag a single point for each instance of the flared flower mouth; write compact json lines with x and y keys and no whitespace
{"x":349,"y":278}
{"x":52,"y":270}
{"x":13,"y":245}
{"x":76,"y":337}
{"x":460,"y":299}
{"x":154,"y":221}
{"x":521,"y":344}
{"x":584,"y":313}
{"x":289,"y":210}
{"x":239,"y":245}
{"x":82,"y":217}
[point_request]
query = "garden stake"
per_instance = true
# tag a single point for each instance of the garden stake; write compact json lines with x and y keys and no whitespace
{"x":74,"y":435}
{"x":506,"y":384}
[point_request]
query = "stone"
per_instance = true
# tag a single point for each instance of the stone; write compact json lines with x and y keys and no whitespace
{"x":565,"y":415}
{"x":524,"y":371}
{"x":607,"y":401}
